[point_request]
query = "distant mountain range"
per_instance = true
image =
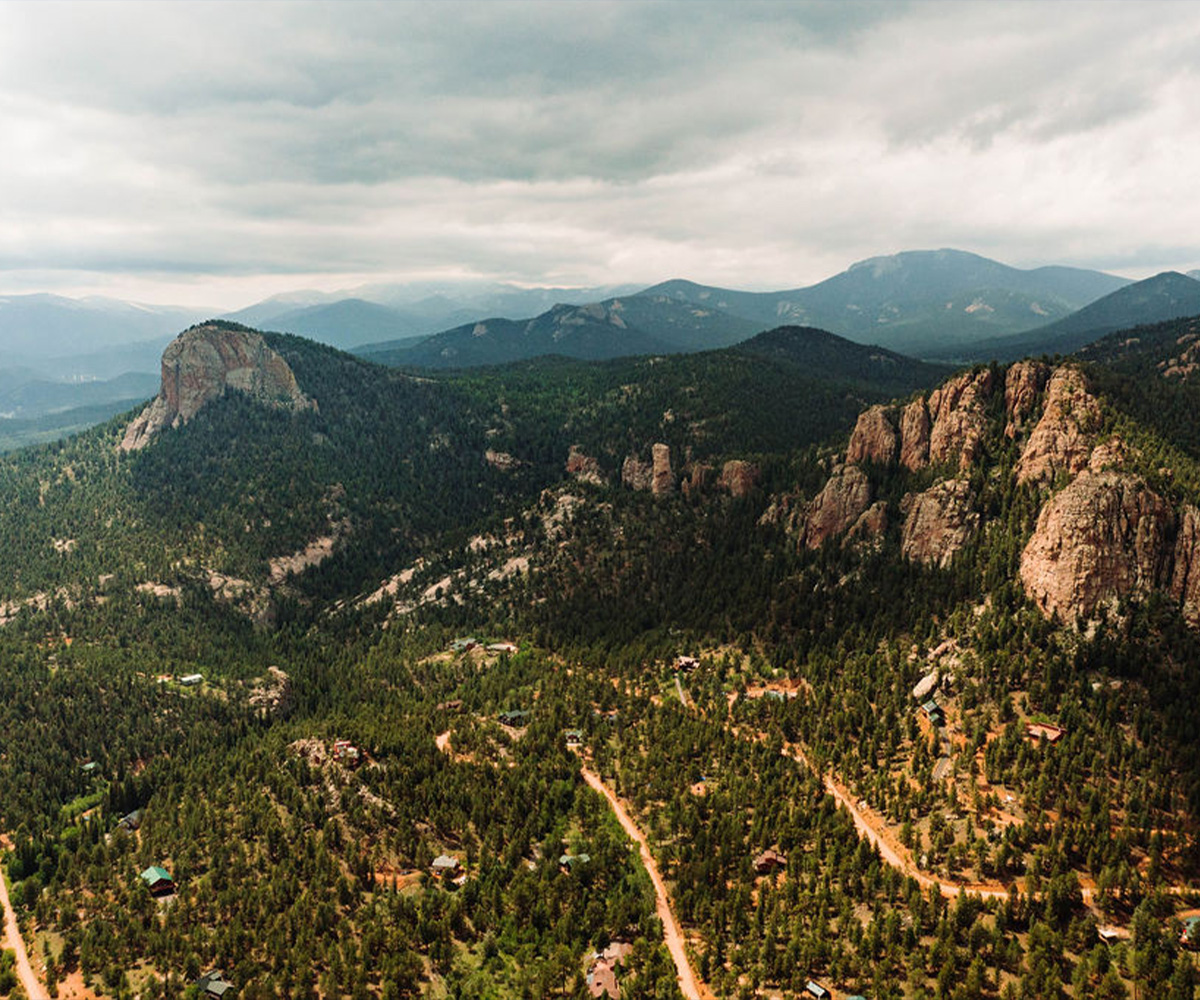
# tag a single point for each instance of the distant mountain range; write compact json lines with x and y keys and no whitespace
{"x":1165,"y":296}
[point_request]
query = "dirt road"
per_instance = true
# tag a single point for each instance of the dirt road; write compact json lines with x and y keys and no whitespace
{"x":13,"y":940}
{"x":692,"y":986}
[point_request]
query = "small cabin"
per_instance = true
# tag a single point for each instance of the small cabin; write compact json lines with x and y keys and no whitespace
{"x":1038,"y":731}
{"x":769,"y":861}
{"x":574,"y":738}
{"x":686,"y":664}
{"x":158,"y":880}
{"x":214,"y":984}
{"x":934,"y":713}
{"x":464,"y":644}
{"x":90,"y":768}
{"x":191,"y":680}
{"x":130,"y":822}
{"x":569,"y":862}
{"x":514,"y":717}
{"x":815,"y":989}
{"x":502,"y":647}
{"x":454,"y":705}
{"x":446,"y":866}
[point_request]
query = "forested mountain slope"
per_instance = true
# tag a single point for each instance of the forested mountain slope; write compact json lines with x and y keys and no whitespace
{"x":968,"y":614}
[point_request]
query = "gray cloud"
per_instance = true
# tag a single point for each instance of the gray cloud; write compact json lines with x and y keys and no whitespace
{"x":747,"y":144}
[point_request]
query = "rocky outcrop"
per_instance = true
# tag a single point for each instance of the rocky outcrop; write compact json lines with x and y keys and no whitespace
{"x":662,"y":478}
{"x":204,"y":363}
{"x":502,"y":461}
{"x":1063,"y":438}
{"x":938,"y":523}
{"x":844,"y":499}
{"x":272,"y":695}
{"x":1185,"y":576}
{"x":738,"y":478}
{"x":914,"y":436}
{"x":1022,"y":388}
{"x":957,"y":413}
{"x":636,"y":474}
{"x":584,"y":467}
{"x":870,"y":526}
{"x":1101,"y":538}
{"x":874,"y":438}
{"x":697,"y":479}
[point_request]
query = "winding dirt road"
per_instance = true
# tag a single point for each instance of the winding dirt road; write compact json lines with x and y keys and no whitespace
{"x":13,"y":940}
{"x":692,"y":986}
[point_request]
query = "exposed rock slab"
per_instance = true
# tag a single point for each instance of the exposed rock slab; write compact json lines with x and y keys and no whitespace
{"x":959,"y":423}
{"x":204,"y":363}
{"x":915,"y":426}
{"x":1101,"y":538}
{"x":636,"y":474}
{"x":738,"y":477}
{"x":846,"y":496}
{"x":938,"y":523}
{"x":1063,"y":438}
{"x":1023,"y":387}
{"x":583,"y":467}
{"x":1185,"y":578}
{"x":662,"y":477}
{"x":874,"y":438}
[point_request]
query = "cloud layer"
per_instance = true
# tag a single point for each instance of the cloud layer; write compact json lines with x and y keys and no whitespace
{"x":220,"y":150}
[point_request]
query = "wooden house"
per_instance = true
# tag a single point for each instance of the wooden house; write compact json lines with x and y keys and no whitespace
{"x":1038,"y":731}
{"x":158,"y":880}
{"x":214,"y":984}
{"x":933,"y":713}
{"x":446,"y":866}
{"x":769,"y":861}
{"x":514,"y":717}
{"x":346,"y":753}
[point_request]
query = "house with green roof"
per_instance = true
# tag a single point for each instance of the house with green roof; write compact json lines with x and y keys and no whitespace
{"x":158,"y":880}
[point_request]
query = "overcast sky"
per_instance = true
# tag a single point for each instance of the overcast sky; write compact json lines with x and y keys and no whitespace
{"x":217,"y":153}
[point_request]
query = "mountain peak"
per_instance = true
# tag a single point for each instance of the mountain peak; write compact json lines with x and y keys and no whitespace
{"x":201,"y":365}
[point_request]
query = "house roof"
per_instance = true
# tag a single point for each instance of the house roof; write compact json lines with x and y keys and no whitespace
{"x":445,"y":861}
{"x":571,"y":860}
{"x":214,"y":984}
{"x":155,"y":873}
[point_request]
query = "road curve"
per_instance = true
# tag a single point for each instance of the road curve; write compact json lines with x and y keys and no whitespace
{"x":692,"y":986}
{"x":13,"y":940}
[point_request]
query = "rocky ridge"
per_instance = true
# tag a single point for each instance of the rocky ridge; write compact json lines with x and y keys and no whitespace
{"x":1104,"y":536}
{"x":204,"y":363}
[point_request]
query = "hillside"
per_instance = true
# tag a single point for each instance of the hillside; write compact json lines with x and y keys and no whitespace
{"x":1166,"y":296}
{"x":610,"y":329}
{"x":922,"y":303}
{"x":897,"y":692}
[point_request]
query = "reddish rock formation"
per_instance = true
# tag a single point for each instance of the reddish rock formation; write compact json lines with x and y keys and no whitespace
{"x":843,"y":500}
{"x":1185,"y":578}
{"x":697,"y":480}
{"x":1102,"y":537}
{"x":1063,"y":438}
{"x":584,"y":467}
{"x":914,"y":436}
{"x":957,"y":412}
{"x":938,"y":523}
{"x":636,"y":474}
{"x":874,"y":438}
{"x":1110,"y":454}
{"x":1022,"y":387}
{"x":501,"y":460}
{"x":870,"y":526}
{"x":201,"y":365}
{"x":662,"y":478}
{"x":738,"y":477}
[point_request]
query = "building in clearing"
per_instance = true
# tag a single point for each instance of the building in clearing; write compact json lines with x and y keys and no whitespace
{"x":214,"y":984}
{"x":191,"y":680}
{"x":934,"y":713}
{"x":1037,"y":731}
{"x":446,"y":866}
{"x":569,"y":862}
{"x":769,"y":861}
{"x":574,"y":737}
{"x":514,"y":717}
{"x":158,"y":880}
{"x":814,"y":989}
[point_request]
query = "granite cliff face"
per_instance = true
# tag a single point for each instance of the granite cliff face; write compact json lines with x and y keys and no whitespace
{"x":938,"y":523}
{"x":1062,"y":440}
{"x":837,"y":507}
{"x":1103,"y":537}
{"x":204,"y":363}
